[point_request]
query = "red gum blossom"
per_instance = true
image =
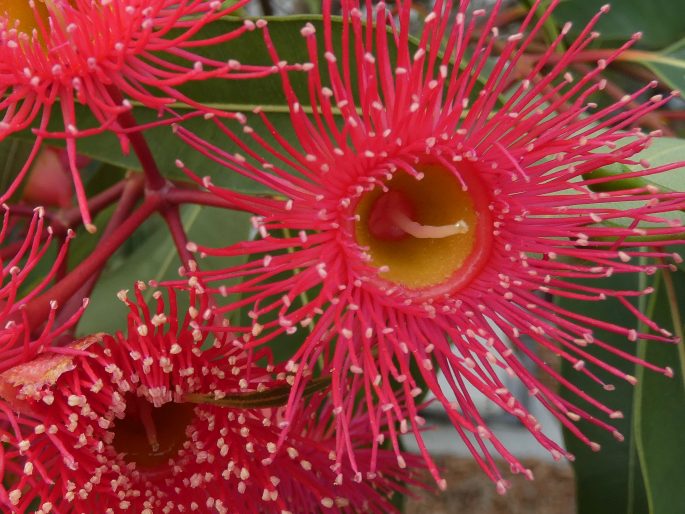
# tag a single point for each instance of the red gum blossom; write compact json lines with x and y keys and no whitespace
{"x":60,"y":416}
{"x":527,"y":154}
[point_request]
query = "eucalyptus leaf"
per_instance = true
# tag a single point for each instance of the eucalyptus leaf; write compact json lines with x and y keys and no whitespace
{"x":662,"y":151}
{"x":610,"y":478}
{"x":149,"y":254}
{"x":13,"y":155}
{"x":668,"y":64}
{"x":660,"y":406}
{"x":276,"y":396}
{"x":661,"y":22}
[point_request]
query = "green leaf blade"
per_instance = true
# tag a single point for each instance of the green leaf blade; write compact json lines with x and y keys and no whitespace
{"x":611,"y":477}
{"x":660,"y":411}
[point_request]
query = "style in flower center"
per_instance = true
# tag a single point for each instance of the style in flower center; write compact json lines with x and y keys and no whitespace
{"x":149,"y":435}
{"x":426,"y":233}
{"x":21,"y":11}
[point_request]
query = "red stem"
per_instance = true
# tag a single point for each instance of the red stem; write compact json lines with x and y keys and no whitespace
{"x":173,"y":221}
{"x":131,"y":193}
{"x":155,"y":180}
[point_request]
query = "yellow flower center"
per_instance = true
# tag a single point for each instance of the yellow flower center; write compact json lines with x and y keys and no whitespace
{"x":428,"y":233}
{"x":150,"y":436}
{"x":21,"y":11}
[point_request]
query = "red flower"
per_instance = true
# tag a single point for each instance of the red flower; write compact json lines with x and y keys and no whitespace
{"x":63,"y":52}
{"x":23,"y":248}
{"x":169,"y":419}
{"x":431,"y":220}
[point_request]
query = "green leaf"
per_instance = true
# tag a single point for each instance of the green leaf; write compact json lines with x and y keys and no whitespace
{"x":668,"y":65}
{"x":150,"y":255}
{"x":660,"y":21}
{"x":662,"y":151}
{"x":13,"y":155}
{"x":167,"y":148}
{"x":660,"y":408}
{"x":276,"y":396}
{"x":612,"y":477}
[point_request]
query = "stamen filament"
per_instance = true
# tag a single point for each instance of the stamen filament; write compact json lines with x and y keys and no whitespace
{"x":145,"y":411}
{"x":419,"y":231}
{"x":55,"y":10}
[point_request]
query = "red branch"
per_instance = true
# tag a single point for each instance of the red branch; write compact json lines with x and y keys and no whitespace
{"x":155,"y":180}
{"x":130,"y":194}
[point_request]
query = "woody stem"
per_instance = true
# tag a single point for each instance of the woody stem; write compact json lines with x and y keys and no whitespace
{"x":154,"y":180}
{"x":130,"y":194}
{"x":172,"y":217}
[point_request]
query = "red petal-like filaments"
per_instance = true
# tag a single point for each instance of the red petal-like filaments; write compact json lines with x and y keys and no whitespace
{"x":135,"y":423}
{"x":24,"y":244}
